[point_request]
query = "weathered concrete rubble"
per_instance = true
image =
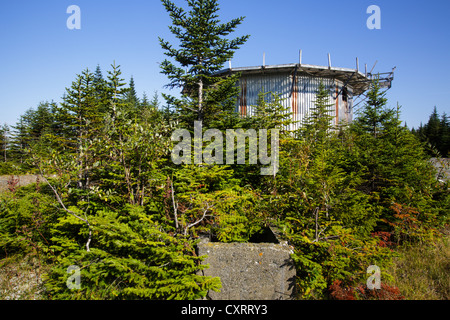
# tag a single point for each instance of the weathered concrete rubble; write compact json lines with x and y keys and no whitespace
{"x":250,"y":271}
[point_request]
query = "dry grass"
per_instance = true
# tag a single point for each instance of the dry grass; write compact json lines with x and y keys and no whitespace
{"x":423,"y":272}
{"x":20,"y":279}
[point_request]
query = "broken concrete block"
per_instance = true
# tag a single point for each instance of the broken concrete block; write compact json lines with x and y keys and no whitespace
{"x":250,"y":271}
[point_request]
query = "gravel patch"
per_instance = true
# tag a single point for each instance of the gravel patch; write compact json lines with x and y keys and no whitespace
{"x":21,"y":280}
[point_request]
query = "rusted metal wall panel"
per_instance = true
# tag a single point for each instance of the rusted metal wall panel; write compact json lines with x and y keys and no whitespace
{"x":298,"y":94}
{"x":308,"y":87}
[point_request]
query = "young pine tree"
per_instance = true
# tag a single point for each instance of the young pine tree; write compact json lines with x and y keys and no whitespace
{"x":318,"y":124}
{"x":81,"y":115}
{"x":20,"y":140}
{"x":132,"y":99}
{"x":375,"y":116}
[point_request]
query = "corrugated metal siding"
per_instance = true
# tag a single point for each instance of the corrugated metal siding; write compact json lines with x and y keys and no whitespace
{"x":298,"y":94}
{"x":345,"y":113}
{"x":307,"y":89}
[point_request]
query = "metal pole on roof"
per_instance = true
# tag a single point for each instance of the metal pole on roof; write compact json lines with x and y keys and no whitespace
{"x":329,"y":61}
{"x":300,"y":57}
{"x":357,"y":64}
{"x":264,"y":59}
{"x":373,"y":66}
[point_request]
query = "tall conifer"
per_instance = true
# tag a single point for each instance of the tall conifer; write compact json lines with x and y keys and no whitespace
{"x":204,"y":47}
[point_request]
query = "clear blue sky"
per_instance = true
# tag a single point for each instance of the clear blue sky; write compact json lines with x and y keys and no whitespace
{"x":40,"y":56}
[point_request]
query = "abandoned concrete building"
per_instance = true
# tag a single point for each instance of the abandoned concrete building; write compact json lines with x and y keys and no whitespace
{"x":297,"y":84}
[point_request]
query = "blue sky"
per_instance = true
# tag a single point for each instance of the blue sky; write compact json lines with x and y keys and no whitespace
{"x":40,"y":56}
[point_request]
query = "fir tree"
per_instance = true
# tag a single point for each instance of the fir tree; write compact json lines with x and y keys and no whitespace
{"x":445,"y":136}
{"x":435,"y":134}
{"x":4,"y":141}
{"x":20,"y":141}
{"x":375,"y":114}
{"x":42,"y":121}
{"x":318,"y":124}
{"x":131,"y":98}
{"x":269,"y":113}
{"x":99,"y":84}
{"x":433,"y":129}
{"x":81,"y":114}
{"x":203,"y":50}
{"x":144,"y":101}
{"x":115,"y":92}
{"x":98,"y":75}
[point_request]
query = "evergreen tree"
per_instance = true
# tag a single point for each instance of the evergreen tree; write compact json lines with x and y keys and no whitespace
{"x":42,"y":121}
{"x":4,"y":142}
{"x":435,"y":134}
{"x":81,"y":114}
{"x":98,"y":76}
{"x":99,"y":84}
{"x":115,"y":92}
{"x":144,"y":101}
{"x":445,"y":136}
{"x":203,"y":50}
{"x":154,"y":103}
{"x":20,"y":139}
{"x":318,"y":124}
{"x":433,"y":129}
{"x":269,"y":113}
{"x":132,"y":100}
{"x":318,"y":205}
{"x":374,"y":115}
{"x":394,"y":166}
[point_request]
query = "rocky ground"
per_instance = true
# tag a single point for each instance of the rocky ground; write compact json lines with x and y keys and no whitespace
{"x":21,"y":280}
{"x":22,"y":180}
{"x":443,"y":167}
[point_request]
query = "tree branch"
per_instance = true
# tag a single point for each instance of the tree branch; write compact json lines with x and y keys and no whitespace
{"x":175,"y":206}
{"x":198,"y":221}
{"x":58,"y":198}
{"x":316,"y":213}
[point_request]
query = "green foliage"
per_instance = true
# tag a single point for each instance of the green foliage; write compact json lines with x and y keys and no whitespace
{"x":4,"y":142}
{"x":318,"y":124}
{"x":121,"y":211}
{"x":26,"y":215}
{"x":210,"y":195}
{"x":204,"y":47}
{"x":435,"y":134}
{"x":269,"y":113}
{"x":132,"y":257}
{"x":334,"y":195}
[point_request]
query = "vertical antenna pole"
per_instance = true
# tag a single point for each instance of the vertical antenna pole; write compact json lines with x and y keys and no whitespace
{"x":300,"y":57}
{"x":264,"y":59}
{"x":329,"y":61}
{"x":357,"y":64}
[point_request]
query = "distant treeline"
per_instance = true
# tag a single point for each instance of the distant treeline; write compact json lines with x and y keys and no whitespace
{"x":436,"y":134}
{"x":51,"y":119}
